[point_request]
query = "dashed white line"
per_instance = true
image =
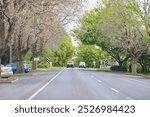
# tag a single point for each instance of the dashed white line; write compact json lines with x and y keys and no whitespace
{"x":99,"y":81}
{"x":115,"y":90}
{"x":43,"y":87}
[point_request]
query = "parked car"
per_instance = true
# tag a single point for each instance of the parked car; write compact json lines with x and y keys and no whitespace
{"x":26,"y":68}
{"x":6,"y":71}
{"x":14,"y":67}
{"x":70,"y":64}
{"x":82,"y":64}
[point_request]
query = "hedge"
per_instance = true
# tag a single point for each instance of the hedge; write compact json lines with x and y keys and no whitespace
{"x":118,"y":68}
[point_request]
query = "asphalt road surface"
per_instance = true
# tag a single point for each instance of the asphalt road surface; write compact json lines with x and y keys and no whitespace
{"x":77,"y":84}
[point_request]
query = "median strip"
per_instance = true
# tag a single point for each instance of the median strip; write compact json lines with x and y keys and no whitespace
{"x":43,"y":87}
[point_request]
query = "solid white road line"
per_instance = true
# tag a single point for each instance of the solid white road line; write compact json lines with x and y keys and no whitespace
{"x":115,"y":90}
{"x":43,"y":87}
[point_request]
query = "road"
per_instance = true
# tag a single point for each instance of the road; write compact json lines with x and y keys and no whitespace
{"x":77,"y":84}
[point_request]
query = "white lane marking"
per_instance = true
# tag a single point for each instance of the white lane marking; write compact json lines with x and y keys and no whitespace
{"x":99,"y":81}
{"x":43,"y":87}
{"x":115,"y":90}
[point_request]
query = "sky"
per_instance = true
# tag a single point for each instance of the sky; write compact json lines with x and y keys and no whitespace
{"x":90,"y":4}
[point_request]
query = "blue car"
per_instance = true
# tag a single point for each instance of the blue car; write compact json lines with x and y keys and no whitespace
{"x":14,"y":67}
{"x":26,"y":68}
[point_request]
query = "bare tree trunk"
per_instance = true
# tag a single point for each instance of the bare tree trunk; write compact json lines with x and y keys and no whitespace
{"x":20,"y":63}
{"x":34,"y":55}
{"x":134,"y":65}
{"x":36,"y":50}
{"x":34,"y":64}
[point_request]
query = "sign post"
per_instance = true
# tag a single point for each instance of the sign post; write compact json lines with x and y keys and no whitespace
{"x":36,"y":59}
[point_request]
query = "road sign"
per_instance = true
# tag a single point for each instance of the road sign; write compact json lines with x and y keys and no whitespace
{"x":48,"y":60}
{"x":36,"y":59}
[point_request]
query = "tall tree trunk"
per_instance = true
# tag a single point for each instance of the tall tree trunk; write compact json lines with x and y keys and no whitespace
{"x":20,"y":63}
{"x":34,"y":64}
{"x":120,"y":63}
{"x":134,"y":65}
{"x":34,"y":55}
{"x":36,"y":50}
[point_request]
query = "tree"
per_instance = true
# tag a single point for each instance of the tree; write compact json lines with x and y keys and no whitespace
{"x":144,"y":61}
{"x":49,"y":20}
{"x":7,"y":22}
{"x":30,"y":23}
{"x":120,"y":24}
{"x":142,"y":8}
{"x":88,"y":34}
{"x":90,"y":54}
{"x":66,"y":50}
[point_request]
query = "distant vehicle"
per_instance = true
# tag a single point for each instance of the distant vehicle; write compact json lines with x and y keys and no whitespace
{"x":70,"y":64}
{"x":82,"y":64}
{"x":6,"y":71}
{"x":14,"y":67}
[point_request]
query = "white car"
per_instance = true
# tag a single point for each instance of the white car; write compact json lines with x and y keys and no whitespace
{"x":6,"y":71}
{"x":70,"y":64}
{"x":82,"y":64}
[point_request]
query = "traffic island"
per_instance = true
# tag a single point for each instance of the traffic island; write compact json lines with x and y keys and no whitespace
{"x":8,"y":80}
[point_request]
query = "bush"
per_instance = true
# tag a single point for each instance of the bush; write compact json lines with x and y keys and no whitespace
{"x":43,"y":65}
{"x":118,"y":68}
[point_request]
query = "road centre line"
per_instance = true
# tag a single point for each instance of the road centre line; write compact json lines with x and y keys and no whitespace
{"x":99,"y":81}
{"x":43,"y":87}
{"x":115,"y":90}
